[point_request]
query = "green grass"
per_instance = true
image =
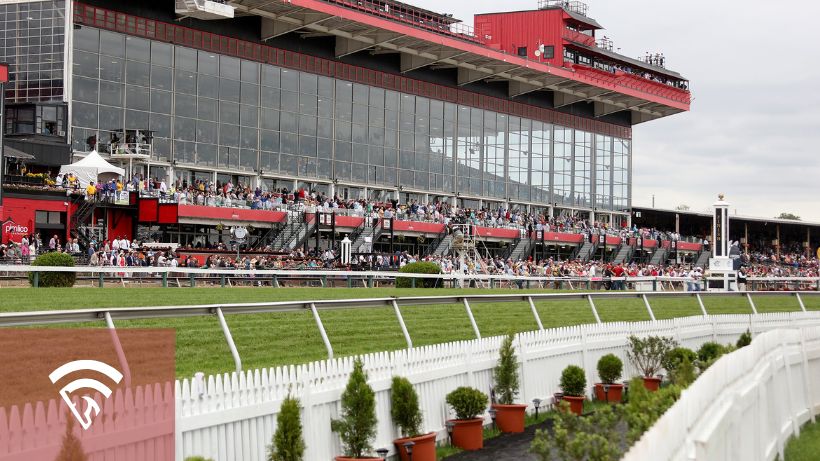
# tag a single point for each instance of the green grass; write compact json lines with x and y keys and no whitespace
{"x":267,"y":340}
{"x":807,"y":446}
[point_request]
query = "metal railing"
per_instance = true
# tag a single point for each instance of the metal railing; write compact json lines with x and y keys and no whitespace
{"x":111,"y":314}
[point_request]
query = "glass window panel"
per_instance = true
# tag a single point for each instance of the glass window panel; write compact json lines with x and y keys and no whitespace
{"x":249,"y":71}
{"x":344,"y":91}
{"x":136,"y":120}
{"x":290,"y":101}
{"x":307,"y":125}
{"x":161,"y":77}
{"x":270,"y":119}
{"x":307,"y":146}
{"x":325,"y":128}
{"x":229,"y":90}
{"x":229,"y":67}
{"x":248,"y":159}
{"x":185,"y":105}
{"x":326,"y":87}
{"x":185,"y":82}
{"x":208,"y":86}
{"x":161,"y":54}
{"x":206,"y":132}
{"x":184,"y":129}
{"x":290,"y":80}
{"x":85,"y":89}
{"x":111,"y":44}
{"x":270,"y":76}
{"x":86,"y":64}
{"x":208,"y":63}
{"x":86,"y":39}
{"x":110,"y":93}
{"x":136,"y":97}
{"x":249,"y":94}
{"x":288,"y":121}
{"x":248,"y":115}
{"x":111,"y":68}
{"x":344,"y":151}
{"x":248,"y":138}
{"x":160,"y":125}
{"x":270,"y":97}
{"x":308,"y":83}
{"x":290,"y":142}
{"x":229,"y":112}
{"x":207,"y":109}
{"x":137,"y":49}
{"x":229,"y":135}
{"x":161,"y":101}
{"x":185,"y":58}
{"x":324,"y":148}
{"x":269,"y":140}
{"x":137,"y":73}
{"x":110,"y":118}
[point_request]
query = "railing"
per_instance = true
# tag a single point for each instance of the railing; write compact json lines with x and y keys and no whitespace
{"x":125,"y":149}
{"x":412,"y":17}
{"x":242,"y":406}
{"x":745,"y":406}
{"x":578,"y":37}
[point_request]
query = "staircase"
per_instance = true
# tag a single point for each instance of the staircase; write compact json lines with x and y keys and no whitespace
{"x":585,"y":252}
{"x":521,"y":249}
{"x":624,"y":254}
{"x":292,"y":234}
{"x":659,"y":256}
{"x":443,"y":246}
{"x":262,"y":241}
{"x":81,"y":219}
{"x":360,"y":240}
{"x":703,"y":259}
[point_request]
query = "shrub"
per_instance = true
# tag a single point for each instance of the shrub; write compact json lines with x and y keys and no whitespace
{"x":357,"y":425}
{"x":421,"y":267}
{"x":467,"y":402}
{"x":573,"y":381}
{"x":54,"y":279}
{"x":674,"y":357}
{"x":708,"y":352}
{"x":404,"y":407}
{"x":288,"y":444}
{"x":610,"y":368}
{"x":71,"y":448}
{"x":644,"y":407}
{"x":647,"y":353}
{"x":595,"y":438}
{"x":744,"y":340}
{"x":506,"y":372}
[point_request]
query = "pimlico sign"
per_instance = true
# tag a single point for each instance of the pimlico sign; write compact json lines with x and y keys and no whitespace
{"x":13,"y":231}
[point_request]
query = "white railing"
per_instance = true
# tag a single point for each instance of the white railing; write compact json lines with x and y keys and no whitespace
{"x":745,"y":406}
{"x":232,"y":416}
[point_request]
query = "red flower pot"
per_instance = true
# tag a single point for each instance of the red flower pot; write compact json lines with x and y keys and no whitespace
{"x":510,"y":418}
{"x":423,"y":450}
{"x":651,"y":384}
{"x":468,"y":434}
{"x":614,"y":395}
{"x":576,"y":404}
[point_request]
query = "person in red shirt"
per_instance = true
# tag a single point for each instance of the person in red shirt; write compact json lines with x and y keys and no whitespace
{"x":618,"y":271}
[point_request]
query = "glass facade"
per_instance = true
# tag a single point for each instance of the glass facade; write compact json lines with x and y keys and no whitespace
{"x":216,"y":112}
{"x":32,"y":42}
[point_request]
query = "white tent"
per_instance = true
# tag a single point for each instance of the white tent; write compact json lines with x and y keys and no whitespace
{"x":91,"y":168}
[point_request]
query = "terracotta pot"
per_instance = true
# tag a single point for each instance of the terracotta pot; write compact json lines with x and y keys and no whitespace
{"x":468,"y":434}
{"x":614,"y":395}
{"x":510,"y":418}
{"x":345,"y":458}
{"x":576,"y":404}
{"x":651,"y":384}
{"x":423,"y":450}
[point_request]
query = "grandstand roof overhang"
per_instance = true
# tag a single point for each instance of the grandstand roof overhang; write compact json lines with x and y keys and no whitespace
{"x":358,"y":30}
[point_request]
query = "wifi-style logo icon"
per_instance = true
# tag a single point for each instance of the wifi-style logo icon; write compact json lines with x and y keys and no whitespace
{"x":91,"y":405}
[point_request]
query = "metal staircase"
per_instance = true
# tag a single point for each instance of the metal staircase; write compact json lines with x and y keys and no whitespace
{"x":659,"y":256}
{"x":360,"y":240}
{"x":443,"y":246}
{"x":520,"y":249}
{"x":81,"y":219}
{"x":703,"y":259}
{"x":292,"y":234}
{"x":585,"y":252}
{"x":624,"y":254}
{"x":266,"y":237}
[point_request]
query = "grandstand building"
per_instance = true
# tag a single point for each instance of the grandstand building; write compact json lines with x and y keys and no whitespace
{"x":373,"y":99}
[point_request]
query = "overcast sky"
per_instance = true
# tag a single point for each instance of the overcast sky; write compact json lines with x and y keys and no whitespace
{"x":754,"y":129}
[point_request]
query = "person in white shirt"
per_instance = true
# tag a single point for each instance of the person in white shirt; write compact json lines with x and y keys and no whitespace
{"x":115,"y":244}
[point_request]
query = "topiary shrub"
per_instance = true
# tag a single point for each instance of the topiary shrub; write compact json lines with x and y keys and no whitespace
{"x":744,"y":340}
{"x":573,"y":381}
{"x":467,"y":402}
{"x":54,"y":279}
{"x":421,"y":267}
{"x":404,"y":407}
{"x":357,"y":425}
{"x":673,"y":358}
{"x":288,"y":444}
{"x":506,"y":372}
{"x":648,"y":353}
{"x":610,"y":368}
{"x":709,"y":351}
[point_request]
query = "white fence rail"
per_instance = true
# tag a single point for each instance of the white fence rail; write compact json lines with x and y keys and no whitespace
{"x":232,"y":417}
{"x":745,"y":406}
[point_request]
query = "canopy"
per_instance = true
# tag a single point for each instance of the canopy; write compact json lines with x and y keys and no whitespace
{"x":91,"y":167}
{"x":10,"y":152}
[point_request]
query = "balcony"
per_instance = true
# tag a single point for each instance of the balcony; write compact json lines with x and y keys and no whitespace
{"x":204,"y":9}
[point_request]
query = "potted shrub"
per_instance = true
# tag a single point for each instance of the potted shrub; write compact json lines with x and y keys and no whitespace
{"x":468,"y":430}
{"x":288,"y":444}
{"x":404,"y":408}
{"x":357,"y":425}
{"x":573,"y":385}
{"x":647,"y":354}
{"x":509,"y":417}
{"x":610,"y":369}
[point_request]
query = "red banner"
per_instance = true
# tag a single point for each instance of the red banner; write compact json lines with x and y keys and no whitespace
{"x":4,"y":73}
{"x":14,"y":232}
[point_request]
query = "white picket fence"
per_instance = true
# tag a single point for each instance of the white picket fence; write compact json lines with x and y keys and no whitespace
{"x":233,"y":416}
{"x":745,"y":406}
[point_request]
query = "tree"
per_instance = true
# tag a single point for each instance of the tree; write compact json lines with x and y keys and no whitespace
{"x":789,"y":216}
{"x":72,"y":448}
{"x":357,"y":425}
{"x":288,"y":444}
{"x":683,"y":207}
{"x":506,"y":372}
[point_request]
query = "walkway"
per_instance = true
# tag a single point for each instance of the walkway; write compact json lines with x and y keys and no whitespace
{"x":506,"y":447}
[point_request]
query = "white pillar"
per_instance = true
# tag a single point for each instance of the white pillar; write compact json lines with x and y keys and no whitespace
{"x":720,"y":229}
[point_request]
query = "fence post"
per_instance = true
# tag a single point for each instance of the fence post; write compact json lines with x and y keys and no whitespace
{"x":222,"y":280}
{"x":35,"y":279}
{"x":800,"y":300}
{"x":413,"y":282}
{"x":369,"y":281}
{"x":751,"y":303}
{"x":472,"y":319}
{"x":403,"y":326}
{"x":535,"y":313}
{"x":164,"y":280}
{"x":649,"y":308}
{"x":126,"y":370}
{"x":700,"y":303}
{"x":322,"y":330}
{"x":229,"y":338}
{"x":101,"y":282}
{"x":191,"y":278}
{"x":594,"y":310}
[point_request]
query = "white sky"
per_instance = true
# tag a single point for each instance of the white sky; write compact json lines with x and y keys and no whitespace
{"x":754,"y":129}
